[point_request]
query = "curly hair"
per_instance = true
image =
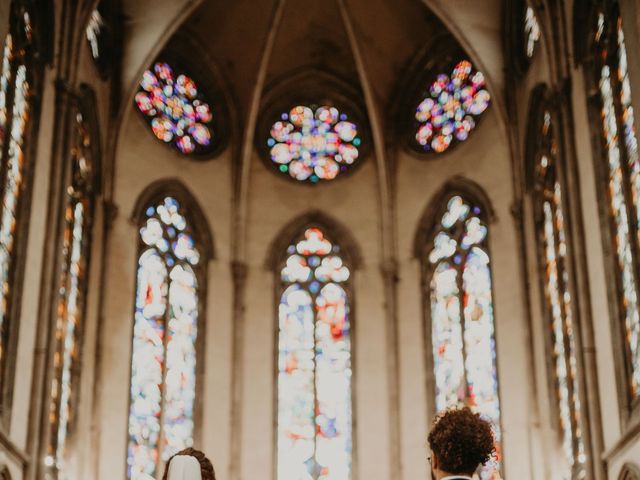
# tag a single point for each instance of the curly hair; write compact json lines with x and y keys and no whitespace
{"x":206,"y":468}
{"x":461,"y":440}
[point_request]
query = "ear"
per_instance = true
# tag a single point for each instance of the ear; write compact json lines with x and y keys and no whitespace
{"x":434,"y":461}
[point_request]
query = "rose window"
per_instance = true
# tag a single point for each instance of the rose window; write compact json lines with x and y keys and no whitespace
{"x":175,"y":110}
{"x":311,"y":144}
{"x":450,"y":108}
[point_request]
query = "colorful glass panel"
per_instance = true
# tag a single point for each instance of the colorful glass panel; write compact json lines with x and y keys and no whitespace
{"x":19,"y":64}
{"x":72,"y":293}
{"x":621,"y":147}
{"x":175,"y":109}
{"x":93,"y":32}
{"x":311,"y":144}
{"x":559,"y":302}
{"x":314,"y":363}
{"x":163,"y":367}
{"x":462,"y":322}
{"x":531,"y":30}
{"x":450,"y":108}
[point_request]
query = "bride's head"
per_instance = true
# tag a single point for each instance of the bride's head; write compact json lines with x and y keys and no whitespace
{"x":188,"y":467}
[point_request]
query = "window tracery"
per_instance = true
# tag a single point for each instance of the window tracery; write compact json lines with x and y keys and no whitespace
{"x":620,"y":151}
{"x":450,"y":108}
{"x":166,"y":320}
{"x":458,"y":274}
{"x":72,"y":289}
{"x":314,"y":424}
{"x":314,"y":143}
{"x":176,"y":110}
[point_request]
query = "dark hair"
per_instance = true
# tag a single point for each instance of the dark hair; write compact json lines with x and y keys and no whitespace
{"x":206,"y":468}
{"x":461,"y":440}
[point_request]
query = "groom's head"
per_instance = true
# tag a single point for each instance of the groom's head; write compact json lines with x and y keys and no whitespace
{"x":460,"y":442}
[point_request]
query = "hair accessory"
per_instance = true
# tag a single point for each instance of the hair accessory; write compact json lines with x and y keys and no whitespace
{"x":184,"y":467}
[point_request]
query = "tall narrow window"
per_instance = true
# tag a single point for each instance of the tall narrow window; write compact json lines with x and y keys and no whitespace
{"x":623,"y":170}
{"x":72,"y":289}
{"x":314,"y":362}
{"x":163,"y":363}
{"x":461,"y":313}
{"x":16,"y":92}
{"x":552,"y":242}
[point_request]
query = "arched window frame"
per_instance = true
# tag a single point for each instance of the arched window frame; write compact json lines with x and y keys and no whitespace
{"x":213,"y":87}
{"x":31,"y":50}
{"x":198,"y":226}
{"x":521,"y":43}
{"x":349,"y":252}
{"x":81,"y":173}
{"x":313,"y":88}
{"x":101,"y":32}
{"x":629,"y":471}
{"x":596,"y":49}
{"x":545,"y":179}
{"x":428,"y":228}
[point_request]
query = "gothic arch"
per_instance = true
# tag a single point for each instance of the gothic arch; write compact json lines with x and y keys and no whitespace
{"x":88,"y":106}
{"x":197,"y":226}
{"x":308,"y":86}
{"x":174,"y":187}
{"x":211,"y":80}
{"x":349,"y":249}
{"x":331,"y":303}
{"x":539,"y":101}
{"x":469,"y":190}
{"x":629,"y":471}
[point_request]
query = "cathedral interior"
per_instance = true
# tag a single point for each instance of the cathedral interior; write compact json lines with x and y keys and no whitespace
{"x":290,"y":232}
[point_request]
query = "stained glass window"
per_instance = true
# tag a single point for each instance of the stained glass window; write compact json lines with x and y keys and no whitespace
{"x":16,"y":91}
{"x":93,"y":32}
{"x":314,"y":143}
{"x":72,"y":289}
{"x":314,"y":362}
{"x":531,"y":30}
{"x":163,"y":365}
{"x":450,"y":108}
{"x":558,"y":297}
{"x":623,"y":169}
{"x":461,"y":313}
{"x":175,"y":109}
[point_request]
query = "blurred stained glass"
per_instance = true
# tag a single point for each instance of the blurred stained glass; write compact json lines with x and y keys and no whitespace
{"x":621,"y":147}
{"x":462,"y":323}
{"x":17,"y":71}
{"x":175,"y":109}
{"x":72,"y":291}
{"x":312,"y":144}
{"x":559,"y":302}
{"x":163,"y":368}
{"x":314,"y":363}
{"x":531,"y":30}
{"x":450,"y":109}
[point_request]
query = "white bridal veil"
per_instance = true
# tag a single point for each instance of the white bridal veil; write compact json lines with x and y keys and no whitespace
{"x":184,"y":467}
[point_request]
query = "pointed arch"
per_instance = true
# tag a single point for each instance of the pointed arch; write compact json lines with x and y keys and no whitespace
{"x":25,"y":51}
{"x":167,"y":362}
{"x":350,"y":250}
{"x":175,"y":188}
{"x":314,"y":407}
{"x":457,"y":287}
{"x":539,"y":102}
{"x":601,"y":28}
{"x":545,"y":177}
{"x":312,"y":89}
{"x":629,"y":471}
{"x":81,"y":173}
{"x":429,"y":219}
